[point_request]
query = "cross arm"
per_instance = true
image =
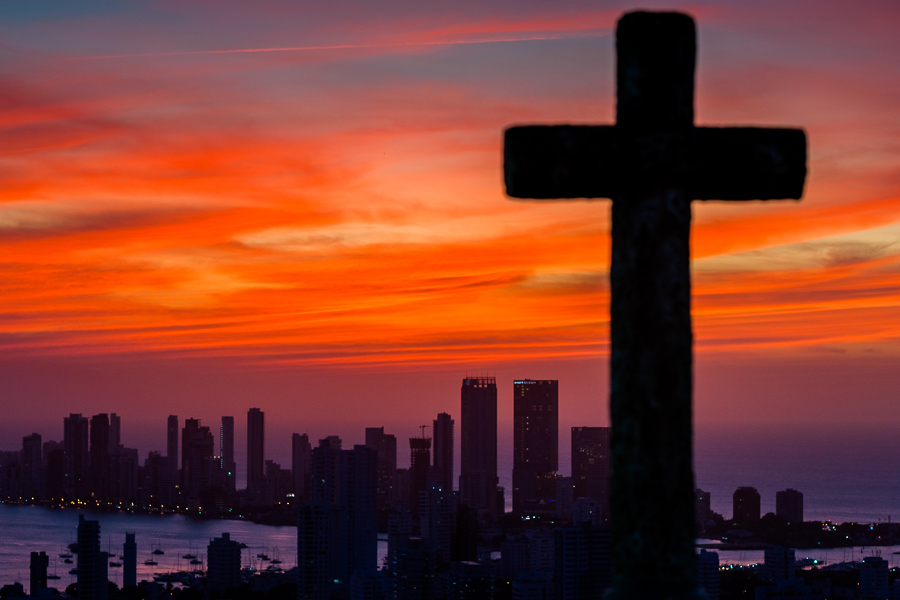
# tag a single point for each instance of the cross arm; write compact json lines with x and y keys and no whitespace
{"x":559,"y":161}
{"x":584,"y":161}
{"x":747,"y":163}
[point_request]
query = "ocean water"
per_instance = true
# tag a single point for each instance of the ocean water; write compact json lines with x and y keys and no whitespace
{"x":26,"y":529}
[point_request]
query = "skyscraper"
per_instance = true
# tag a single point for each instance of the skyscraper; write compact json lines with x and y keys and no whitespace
{"x":442,"y":433}
{"x":256,"y":455}
{"x":478,"y":444}
{"x":226,"y":452}
{"x":535,"y":445}
{"x":385,"y":446}
{"x":745,"y":505}
{"x":419,"y":466}
{"x":129,"y":553}
{"x":32,"y":467}
{"x":172,"y":444}
{"x":337,"y":531}
{"x":301,"y":466}
{"x":590,"y":464}
{"x":197,"y":451}
{"x":789,"y":506}
{"x":100,"y":456}
{"x":75,"y":444}
{"x":92,"y":563}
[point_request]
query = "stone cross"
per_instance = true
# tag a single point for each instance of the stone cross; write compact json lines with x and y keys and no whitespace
{"x":652,"y":163}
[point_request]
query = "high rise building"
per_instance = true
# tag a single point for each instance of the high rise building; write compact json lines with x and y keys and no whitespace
{"x":226,"y":452}
{"x":745,"y":505}
{"x":478,"y":444}
{"x":535,"y":445}
{"x":301,"y":466}
{"x":419,"y":467}
{"x":77,"y":457}
{"x":197,"y":451}
{"x":92,"y":563}
{"x":789,"y":506}
{"x":100,"y":457}
{"x":223,"y":557}
{"x":442,"y":433}
{"x":337,"y":532}
{"x":172,"y":446}
{"x":129,"y":553}
{"x":256,"y":455}
{"x":32,"y":467}
{"x":590,"y":464}
{"x":385,"y":447}
{"x":38,"y":571}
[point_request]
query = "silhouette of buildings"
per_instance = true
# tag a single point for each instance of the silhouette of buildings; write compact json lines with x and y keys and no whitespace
{"x":708,"y":574}
{"x":32,"y":466}
{"x":336,"y":532}
{"x":92,"y":563}
{"x":535,"y":446}
{"x":442,"y":434}
{"x":129,"y":560}
{"x":75,"y":443}
{"x":419,"y":468}
{"x":745,"y":505}
{"x":38,"y":572}
{"x":226,"y":453}
{"x":385,"y":447}
{"x":256,"y":456}
{"x":590,"y":464}
{"x":99,"y":456}
{"x":197,"y":461}
{"x":301,"y":466}
{"x":223,"y":556}
{"x":172,"y":444}
{"x":478,"y":445}
{"x":789,"y":506}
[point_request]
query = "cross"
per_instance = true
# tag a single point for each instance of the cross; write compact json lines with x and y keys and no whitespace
{"x":652,"y":163}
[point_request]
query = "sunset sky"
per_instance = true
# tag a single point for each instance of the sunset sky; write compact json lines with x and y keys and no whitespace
{"x":207,"y":206}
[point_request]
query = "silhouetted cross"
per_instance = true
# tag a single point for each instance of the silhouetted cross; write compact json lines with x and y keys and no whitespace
{"x":652,"y":163}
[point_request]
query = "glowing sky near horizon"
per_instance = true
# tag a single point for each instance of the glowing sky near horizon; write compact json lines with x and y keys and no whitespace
{"x":314,"y":189}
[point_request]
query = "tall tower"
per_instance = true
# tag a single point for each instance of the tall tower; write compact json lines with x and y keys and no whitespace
{"x":478,"y":444}
{"x":100,"y":456}
{"x":442,"y":433}
{"x":256,"y":455}
{"x":75,"y":444}
{"x":172,"y":443}
{"x":32,"y":467}
{"x":590,"y":464}
{"x":129,"y":551}
{"x":301,"y":466}
{"x":385,"y":446}
{"x":535,"y":445}
{"x":197,"y":450}
{"x":226,"y":452}
{"x":92,"y":567}
{"x":419,"y":465}
{"x":337,"y":532}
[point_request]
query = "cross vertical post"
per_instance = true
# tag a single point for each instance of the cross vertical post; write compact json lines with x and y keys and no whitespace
{"x":652,"y":163}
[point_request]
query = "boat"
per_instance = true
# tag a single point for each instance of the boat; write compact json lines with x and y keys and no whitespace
{"x":73,"y":571}
{"x":67,"y":555}
{"x":196,"y":561}
{"x":158,"y":551}
{"x":189,"y":556}
{"x":113,"y":563}
{"x":68,"y":561}
{"x":52,"y":576}
{"x":151,"y":562}
{"x":262,"y":556}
